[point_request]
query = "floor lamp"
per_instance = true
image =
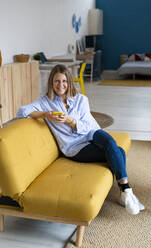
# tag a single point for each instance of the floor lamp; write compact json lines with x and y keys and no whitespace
{"x":95,"y":23}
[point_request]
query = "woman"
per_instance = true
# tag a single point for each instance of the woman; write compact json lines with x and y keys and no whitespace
{"x":78,"y":135}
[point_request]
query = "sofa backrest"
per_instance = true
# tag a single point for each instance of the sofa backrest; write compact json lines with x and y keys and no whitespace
{"x":27,"y":147}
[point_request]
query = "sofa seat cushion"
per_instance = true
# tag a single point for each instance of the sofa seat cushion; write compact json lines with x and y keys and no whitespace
{"x":68,"y":189}
{"x":27,"y":147}
{"x":122,"y":139}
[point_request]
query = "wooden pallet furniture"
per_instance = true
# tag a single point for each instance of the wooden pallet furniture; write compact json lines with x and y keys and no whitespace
{"x":19,"y":85}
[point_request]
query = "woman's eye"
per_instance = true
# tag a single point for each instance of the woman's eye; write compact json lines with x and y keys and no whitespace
{"x":58,"y":81}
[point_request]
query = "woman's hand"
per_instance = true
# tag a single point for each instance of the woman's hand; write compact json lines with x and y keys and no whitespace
{"x":58,"y":118}
{"x":54,"y":117}
{"x":61,"y":119}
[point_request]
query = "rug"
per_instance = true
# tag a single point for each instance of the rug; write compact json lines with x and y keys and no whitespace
{"x":113,"y":227}
{"x":102,"y":119}
{"x":113,"y":82}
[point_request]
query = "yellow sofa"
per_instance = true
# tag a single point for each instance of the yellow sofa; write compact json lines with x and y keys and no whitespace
{"x":45,"y":185}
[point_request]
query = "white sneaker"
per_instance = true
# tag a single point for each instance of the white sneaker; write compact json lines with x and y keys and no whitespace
{"x":130,"y":201}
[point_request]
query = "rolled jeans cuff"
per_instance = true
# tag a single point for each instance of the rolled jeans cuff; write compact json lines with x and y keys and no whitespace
{"x":122,"y":179}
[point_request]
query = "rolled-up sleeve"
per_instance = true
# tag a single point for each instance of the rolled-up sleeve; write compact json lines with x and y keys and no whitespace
{"x":24,"y":111}
{"x":85,"y":122}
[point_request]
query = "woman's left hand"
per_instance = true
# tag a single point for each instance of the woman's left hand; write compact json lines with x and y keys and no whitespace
{"x":62,"y":118}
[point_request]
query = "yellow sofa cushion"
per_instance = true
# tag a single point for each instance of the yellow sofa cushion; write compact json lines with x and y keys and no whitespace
{"x":70,"y":189}
{"x":27,"y":147}
{"x":122,"y":139}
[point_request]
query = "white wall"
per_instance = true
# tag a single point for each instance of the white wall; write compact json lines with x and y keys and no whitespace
{"x":30,"y":26}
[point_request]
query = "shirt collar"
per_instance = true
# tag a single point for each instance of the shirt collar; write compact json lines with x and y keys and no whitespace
{"x":69,"y":99}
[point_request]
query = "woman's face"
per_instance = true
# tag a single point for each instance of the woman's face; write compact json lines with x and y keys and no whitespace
{"x":60,"y":84}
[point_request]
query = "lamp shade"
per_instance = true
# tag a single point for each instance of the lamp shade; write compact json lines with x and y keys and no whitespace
{"x":95,"y":22}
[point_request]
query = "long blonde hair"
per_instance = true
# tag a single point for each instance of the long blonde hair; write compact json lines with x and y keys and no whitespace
{"x":71,"y":91}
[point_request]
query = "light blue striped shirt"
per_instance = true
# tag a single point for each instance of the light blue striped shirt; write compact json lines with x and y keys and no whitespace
{"x":70,"y":141}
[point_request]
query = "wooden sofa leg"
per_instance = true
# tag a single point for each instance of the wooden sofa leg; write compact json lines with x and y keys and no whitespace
{"x":1,"y":223}
{"x":79,"y":235}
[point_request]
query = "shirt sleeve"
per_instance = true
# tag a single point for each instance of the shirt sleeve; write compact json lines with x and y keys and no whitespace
{"x":84,"y":120}
{"x":24,"y":111}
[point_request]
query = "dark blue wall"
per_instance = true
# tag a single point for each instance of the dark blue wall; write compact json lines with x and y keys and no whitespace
{"x":126,"y":28}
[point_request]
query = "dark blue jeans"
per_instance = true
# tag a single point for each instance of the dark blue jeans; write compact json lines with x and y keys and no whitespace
{"x":103,"y":148}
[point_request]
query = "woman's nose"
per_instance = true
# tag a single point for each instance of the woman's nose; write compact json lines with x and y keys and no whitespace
{"x":60,"y":82}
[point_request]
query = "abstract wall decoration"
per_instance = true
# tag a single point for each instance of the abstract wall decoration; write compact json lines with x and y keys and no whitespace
{"x":76,"y":23}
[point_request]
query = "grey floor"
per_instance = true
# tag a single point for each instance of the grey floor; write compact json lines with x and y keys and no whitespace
{"x":131,"y":109}
{"x":26,"y":233}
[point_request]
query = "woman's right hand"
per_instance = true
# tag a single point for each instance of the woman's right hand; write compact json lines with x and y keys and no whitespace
{"x":47,"y":115}
{"x":57,"y":118}
{"x":50,"y":116}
